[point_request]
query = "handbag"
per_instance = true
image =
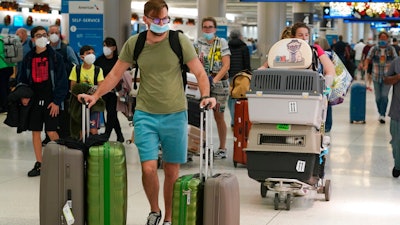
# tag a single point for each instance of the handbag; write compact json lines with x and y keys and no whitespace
{"x":341,"y":82}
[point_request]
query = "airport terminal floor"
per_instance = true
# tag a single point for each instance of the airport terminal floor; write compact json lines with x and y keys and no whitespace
{"x":359,"y":166}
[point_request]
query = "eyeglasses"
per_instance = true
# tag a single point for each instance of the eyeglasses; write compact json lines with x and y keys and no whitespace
{"x":41,"y":35}
{"x":209,"y":27}
{"x":158,"y":20}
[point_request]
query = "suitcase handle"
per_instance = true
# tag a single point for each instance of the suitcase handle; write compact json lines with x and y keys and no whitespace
{"x":206,"y":125}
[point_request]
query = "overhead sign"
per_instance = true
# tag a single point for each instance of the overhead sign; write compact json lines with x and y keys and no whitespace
{"x":86,"y":25}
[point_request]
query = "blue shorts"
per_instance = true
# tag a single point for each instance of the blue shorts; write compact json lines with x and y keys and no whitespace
{"x":169,"y":130}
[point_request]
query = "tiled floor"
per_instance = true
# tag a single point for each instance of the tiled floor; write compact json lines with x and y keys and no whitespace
{"x":359,"y":165}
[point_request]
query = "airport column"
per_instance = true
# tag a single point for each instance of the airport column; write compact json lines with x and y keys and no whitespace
{"x":271,"y":19}
{"x":117,"y":20}
{"x":358,"y":31}
{"x":214,"y":8}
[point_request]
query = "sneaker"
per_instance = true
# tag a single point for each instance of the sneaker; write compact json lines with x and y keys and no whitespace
{"x":35,"y":171}
{"x":154,"y":218}
{"x":121,"y":139}
{"x":220,"y":154}
{"x":382,"y":119}
{"x":167,"y":223}
{"x":395,"y":172}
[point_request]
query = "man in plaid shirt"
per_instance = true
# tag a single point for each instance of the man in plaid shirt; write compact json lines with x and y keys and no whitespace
{"x":381,"y":55}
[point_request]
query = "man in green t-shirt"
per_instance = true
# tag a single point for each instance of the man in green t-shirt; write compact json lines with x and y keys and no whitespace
{"x":161,"y":111}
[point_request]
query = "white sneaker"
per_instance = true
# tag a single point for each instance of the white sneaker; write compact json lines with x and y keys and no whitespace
{"x":220,"y":154}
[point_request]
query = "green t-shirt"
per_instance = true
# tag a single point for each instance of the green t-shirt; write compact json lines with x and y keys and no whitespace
{"x":161,"y":89}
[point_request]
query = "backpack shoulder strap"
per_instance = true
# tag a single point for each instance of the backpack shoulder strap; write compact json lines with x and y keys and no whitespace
{"x":177,"y":48}
{"x":136,"y":52}
{"x":63,"y":51}
{"x":96,"y":74}
{"x":78,"y":73}
{"x":176,"y":45}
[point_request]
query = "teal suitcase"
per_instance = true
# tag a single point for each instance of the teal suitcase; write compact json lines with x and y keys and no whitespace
{"x":106,"y":185}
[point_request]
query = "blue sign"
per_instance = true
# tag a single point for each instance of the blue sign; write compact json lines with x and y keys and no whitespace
{"x":86,"y":29}
{"x":222,"y":31}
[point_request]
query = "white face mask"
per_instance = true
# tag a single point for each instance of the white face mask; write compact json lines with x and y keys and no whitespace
{"x":89,"y":59}
{"x":54,"y":38}
{"x":107,"y":51}
{"x":371,"y":42}
{"x":41,"y":42}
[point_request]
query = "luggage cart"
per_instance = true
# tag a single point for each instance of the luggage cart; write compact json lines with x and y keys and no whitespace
{"x":286,"y":152}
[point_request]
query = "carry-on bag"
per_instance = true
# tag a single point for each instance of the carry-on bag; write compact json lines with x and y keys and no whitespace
{"x":241,"y":130}
{"x":62,"y":183}
{"x":357,"y":103}
{"x":187,"y":202}
{"x":106,"y":185}
{"x":221,"y":204}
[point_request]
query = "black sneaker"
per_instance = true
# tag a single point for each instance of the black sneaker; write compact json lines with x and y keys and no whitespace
{"x":121,"y":139}
{"x":382,"y":119}
{"x":35,"y":171}
{"x":395,"y":172}
{"x":154,"y":218}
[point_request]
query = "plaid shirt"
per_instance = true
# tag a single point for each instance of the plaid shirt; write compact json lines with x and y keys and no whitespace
{"x":381,"y":59}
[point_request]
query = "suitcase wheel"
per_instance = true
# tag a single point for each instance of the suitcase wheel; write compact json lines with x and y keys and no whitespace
{"x":263,"y":190}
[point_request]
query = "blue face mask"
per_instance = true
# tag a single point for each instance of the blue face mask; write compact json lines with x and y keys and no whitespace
{"x":159,"y":29}
{"x":208,"y":36}
{"x":382,"y":43}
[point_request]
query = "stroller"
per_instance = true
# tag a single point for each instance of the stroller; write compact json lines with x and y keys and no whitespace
{"x":287,"y":147}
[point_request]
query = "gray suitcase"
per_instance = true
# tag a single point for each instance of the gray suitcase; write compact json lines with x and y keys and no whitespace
{"x":221,"y":191}
{"x":62,"y":182}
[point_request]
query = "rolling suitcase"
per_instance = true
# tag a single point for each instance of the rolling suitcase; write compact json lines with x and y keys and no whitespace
{"x":62,"y":186}
{"x":106,"y":185}
{"x":62,"y":183}
{"x":187,"y":202}
{"x":357,"y":103}
{"x":241,"y":130}
{"x":221,"y":204}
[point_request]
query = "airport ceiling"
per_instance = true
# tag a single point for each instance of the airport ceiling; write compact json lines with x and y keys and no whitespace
{"x":243,"y":11}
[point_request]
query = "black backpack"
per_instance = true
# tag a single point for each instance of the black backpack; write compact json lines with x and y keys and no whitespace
{"x":78,"y":73}
{"x":175,"y":45}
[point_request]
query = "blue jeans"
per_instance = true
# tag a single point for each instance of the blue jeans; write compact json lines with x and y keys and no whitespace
{"x":328,"y":121}
{"x":381,"y":91}
{"x":395,"y":142}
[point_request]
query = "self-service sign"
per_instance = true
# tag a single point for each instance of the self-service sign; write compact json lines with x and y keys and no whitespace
{"x":86,"y":25}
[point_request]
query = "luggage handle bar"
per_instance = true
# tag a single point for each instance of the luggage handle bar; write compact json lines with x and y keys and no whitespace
{"x":85,"y":120}
{"x":206,"y":125}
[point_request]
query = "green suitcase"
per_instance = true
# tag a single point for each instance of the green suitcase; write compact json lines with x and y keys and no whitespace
{"x":187,"y":203}
{"x":106,"y":185}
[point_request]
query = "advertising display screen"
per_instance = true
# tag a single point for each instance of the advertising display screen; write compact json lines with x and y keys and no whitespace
{"x":18,"y":21}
